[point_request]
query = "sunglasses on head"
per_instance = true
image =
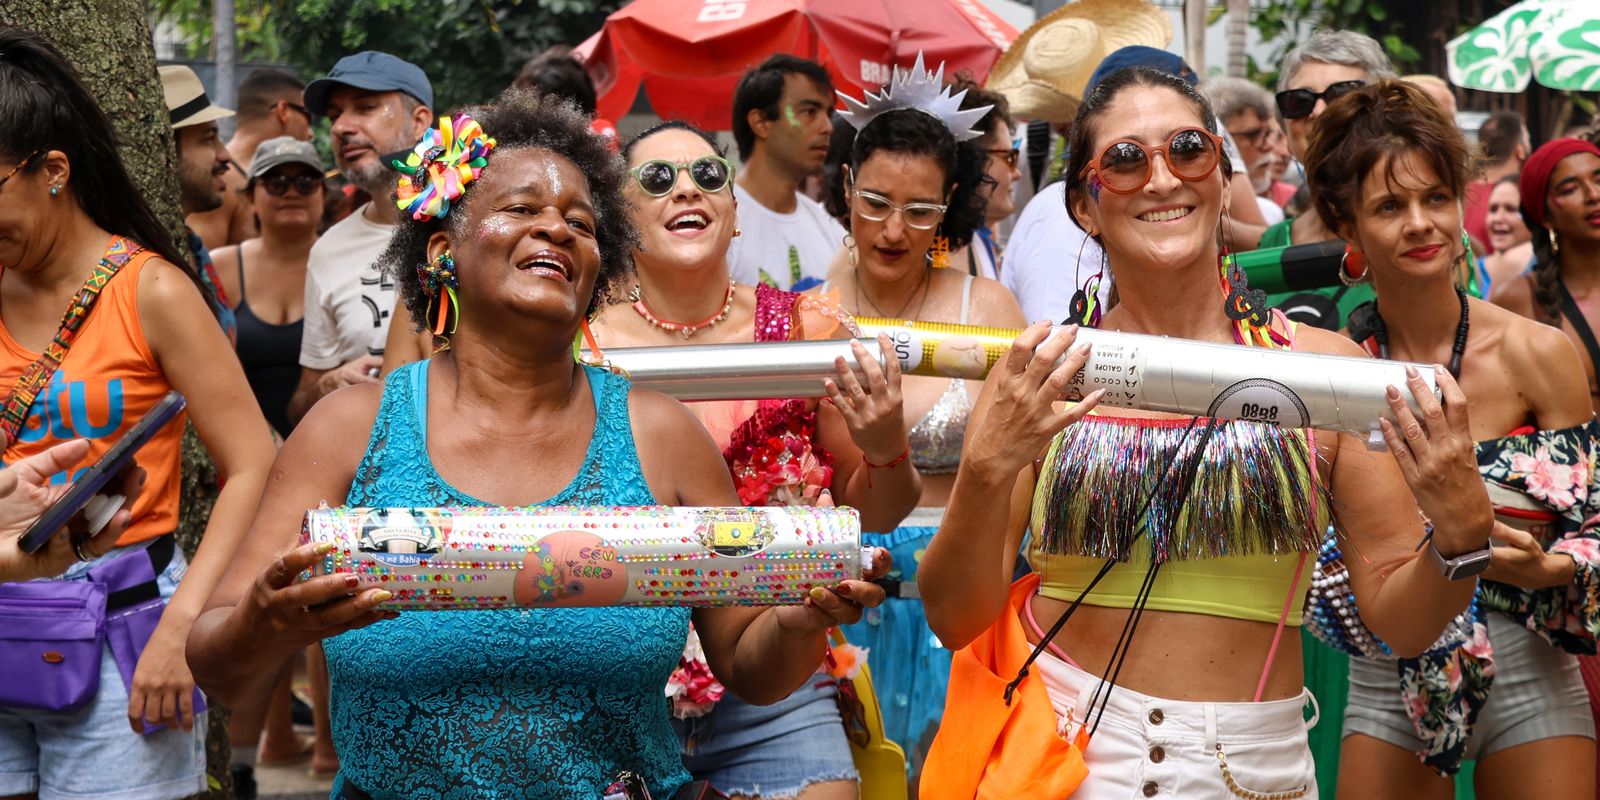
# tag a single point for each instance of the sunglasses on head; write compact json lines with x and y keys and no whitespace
{"x":304,"y":183}
{"x":657,"y":177}
{"x":1298,"y":103}
{"x":1124,"y":167}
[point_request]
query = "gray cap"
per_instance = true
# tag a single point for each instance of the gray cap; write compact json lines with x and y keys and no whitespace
{"x":374,"y":72}
{"x":283,"y":150}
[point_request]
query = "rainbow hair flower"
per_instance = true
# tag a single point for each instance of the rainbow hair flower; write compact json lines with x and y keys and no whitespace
{"x":438,"y":169}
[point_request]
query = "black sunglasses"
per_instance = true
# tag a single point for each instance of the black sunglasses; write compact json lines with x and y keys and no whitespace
{"x":303,"y":111}
{"x":657,"y":177}
{"x":1298,"y":103}
{"x":305,"y":183}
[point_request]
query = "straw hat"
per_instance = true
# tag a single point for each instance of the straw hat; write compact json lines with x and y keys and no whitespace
{"x":1043,"y":73}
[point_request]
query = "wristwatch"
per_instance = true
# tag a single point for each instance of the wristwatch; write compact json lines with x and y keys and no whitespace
{"x":1466,"y":565}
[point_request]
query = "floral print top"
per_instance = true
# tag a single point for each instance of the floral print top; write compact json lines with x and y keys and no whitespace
{"x":1544,"y":482}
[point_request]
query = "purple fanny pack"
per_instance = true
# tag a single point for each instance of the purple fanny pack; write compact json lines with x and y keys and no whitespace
{"x":51,"y":635}
{"x":52,"y":632}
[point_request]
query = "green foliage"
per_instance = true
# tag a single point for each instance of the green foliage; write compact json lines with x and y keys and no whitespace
{"x":1286,"y":21}
{"x":471,"y":49}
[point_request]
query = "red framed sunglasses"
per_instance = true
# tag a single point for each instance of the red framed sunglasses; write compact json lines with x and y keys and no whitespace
{"x":1124,"y":166}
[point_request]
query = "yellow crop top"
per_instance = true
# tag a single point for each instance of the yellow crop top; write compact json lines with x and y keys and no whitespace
{"x":1231,"y":551}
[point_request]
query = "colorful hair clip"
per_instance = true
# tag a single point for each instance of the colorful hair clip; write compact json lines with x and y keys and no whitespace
{"x":438,"y":169}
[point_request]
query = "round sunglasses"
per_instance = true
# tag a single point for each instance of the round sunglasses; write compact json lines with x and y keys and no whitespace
{"x":657,"y":177}
{"x":1298,"y":103}
{"x":1124,"y":167}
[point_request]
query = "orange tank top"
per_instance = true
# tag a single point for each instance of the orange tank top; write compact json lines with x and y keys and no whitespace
{"x":107,"y":382}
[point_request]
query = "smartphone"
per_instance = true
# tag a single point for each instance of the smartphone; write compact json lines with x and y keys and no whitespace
{"x":88,"y":486}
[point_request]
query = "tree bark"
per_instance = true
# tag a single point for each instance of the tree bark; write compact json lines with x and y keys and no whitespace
{"x":109,"y":43}
{"x":1238,"y":34}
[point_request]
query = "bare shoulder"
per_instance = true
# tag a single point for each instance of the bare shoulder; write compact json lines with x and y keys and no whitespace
{"x":676,"y":454}
{"x":662,"y":425}
{"x":994,"y":305}
{"x":168,"y":296}
{"x":330,"y":423}
{"x":1515,"y":296}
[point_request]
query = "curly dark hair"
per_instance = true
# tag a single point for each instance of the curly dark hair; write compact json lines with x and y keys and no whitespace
{"x":1379,"y":122}
{"x":911,"y":132}
{"x":520,"y":119}
{"x":1093,"y":107}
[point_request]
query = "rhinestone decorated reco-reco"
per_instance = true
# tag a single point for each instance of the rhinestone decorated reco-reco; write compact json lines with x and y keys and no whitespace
{"x":481,"y":558}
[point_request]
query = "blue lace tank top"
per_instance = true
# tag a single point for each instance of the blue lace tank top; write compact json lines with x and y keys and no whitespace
{"x":479,"y":705}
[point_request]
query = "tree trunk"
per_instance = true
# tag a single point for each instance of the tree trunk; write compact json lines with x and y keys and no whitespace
{"x":109,"y":43}
{"x":1194,"y":35}
{"x":1238,"y":27}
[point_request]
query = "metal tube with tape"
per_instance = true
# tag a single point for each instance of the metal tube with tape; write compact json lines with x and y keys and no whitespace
{"x":1153,"y":373}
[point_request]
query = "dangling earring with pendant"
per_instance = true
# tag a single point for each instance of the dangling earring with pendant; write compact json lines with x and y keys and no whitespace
{"x":939,"y":253}
{"x":850,"y":244}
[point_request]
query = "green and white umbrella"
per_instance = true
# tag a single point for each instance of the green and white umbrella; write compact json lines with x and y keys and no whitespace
{"x":1555,"y":42}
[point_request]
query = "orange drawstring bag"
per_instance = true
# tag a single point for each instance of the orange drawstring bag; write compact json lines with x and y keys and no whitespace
{"x":988,"y":749}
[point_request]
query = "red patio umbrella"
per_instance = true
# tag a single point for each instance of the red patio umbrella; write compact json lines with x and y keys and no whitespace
{"x":689,"y":54}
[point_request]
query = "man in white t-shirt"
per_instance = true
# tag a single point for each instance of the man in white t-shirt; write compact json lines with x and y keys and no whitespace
{"x":781,"y":124}
{"x":378,"y":105}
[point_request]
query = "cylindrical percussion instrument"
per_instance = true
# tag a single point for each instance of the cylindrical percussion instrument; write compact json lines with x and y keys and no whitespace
{"x":1154,"y":373}
{"x":566,"y":556}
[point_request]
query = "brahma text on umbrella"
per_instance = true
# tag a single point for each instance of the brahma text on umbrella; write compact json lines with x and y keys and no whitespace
{"x":722,"y":10}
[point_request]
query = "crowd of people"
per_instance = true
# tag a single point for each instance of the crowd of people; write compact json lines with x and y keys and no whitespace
{"x":1066,"y":599}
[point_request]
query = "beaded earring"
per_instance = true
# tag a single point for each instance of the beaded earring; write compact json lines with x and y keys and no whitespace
{"x":439,"y":284}
{"x":939,"y":253}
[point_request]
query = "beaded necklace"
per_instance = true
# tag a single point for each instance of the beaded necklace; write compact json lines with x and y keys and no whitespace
{"x":682,"y":329}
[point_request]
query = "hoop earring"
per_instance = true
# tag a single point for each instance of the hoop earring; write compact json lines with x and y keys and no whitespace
{"x":1357,"y":264}
{"x":850,"y":244}
{"x":1085,"y":308}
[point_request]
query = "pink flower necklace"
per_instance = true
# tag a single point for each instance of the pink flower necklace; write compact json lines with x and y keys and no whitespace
{"x":682,"y":329}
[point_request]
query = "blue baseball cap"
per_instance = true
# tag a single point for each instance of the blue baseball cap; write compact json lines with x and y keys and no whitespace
{"x":374,"y":72}
{"x":1140,"y":56}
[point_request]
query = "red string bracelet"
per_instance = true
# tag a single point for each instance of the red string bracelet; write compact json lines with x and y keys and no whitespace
{"x":904,"y":454}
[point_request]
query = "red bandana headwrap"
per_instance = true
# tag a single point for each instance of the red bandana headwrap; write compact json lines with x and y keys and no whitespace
{"x":1537,"y":169}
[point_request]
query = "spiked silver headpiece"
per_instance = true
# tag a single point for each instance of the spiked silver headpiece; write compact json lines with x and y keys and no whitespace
{"x":918,"y":89}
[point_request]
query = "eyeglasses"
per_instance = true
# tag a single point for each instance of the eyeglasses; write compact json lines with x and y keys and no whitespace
{"x":874,"y":207}
{"x":1261,"y":138}
{"x":656,"y":178}
{"x":19,"y":166}
{"x":304,"y":184}
{"x":303,"y":111}
{"x":1008,"y":155}
{"x":1298,"y":103}
{"x":1192,"y":154}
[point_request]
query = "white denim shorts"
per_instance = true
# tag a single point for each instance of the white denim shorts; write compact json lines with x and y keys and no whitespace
{"x":1152,"y":747}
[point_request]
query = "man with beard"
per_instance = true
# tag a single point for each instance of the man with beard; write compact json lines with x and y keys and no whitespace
{"x":202,"y":163}
{"x":379,"y":105}
{"x":269,"y":107}
{"x":782,"y":127}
